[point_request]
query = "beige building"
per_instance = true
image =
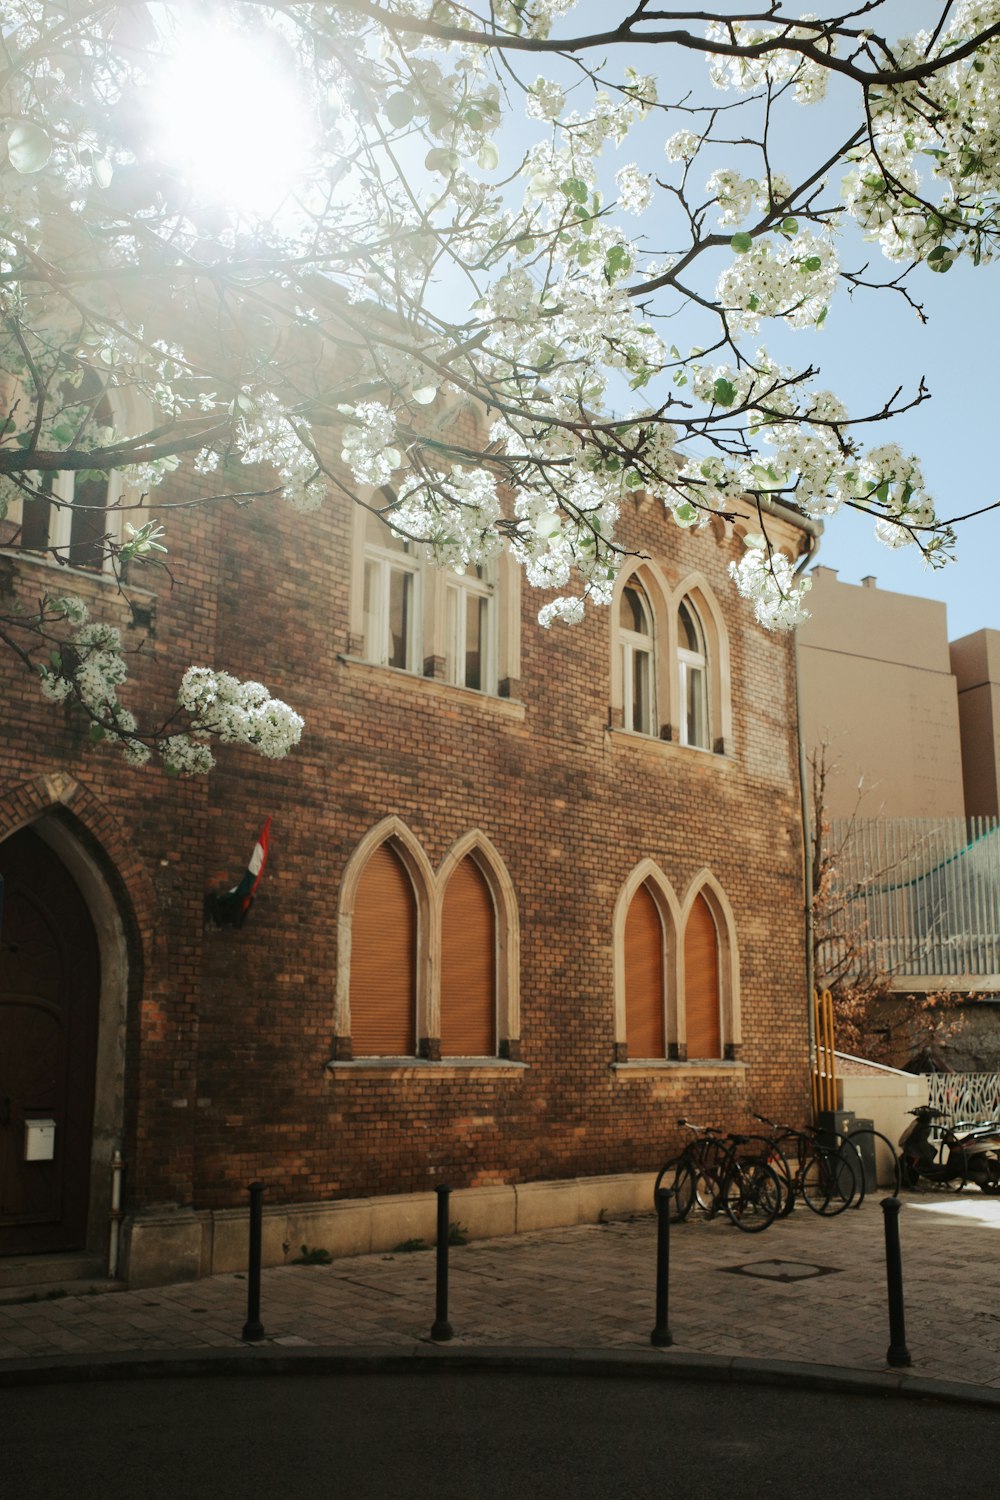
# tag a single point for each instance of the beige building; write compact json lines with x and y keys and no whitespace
{"x":975,"y":662}
{"x":877,"y":689}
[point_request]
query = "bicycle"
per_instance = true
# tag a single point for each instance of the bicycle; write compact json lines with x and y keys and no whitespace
{"x":828,"y":1179}
{"x":710,"y":1173}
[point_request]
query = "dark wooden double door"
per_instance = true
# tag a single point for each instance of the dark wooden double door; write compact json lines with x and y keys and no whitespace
{"x":49,"y":999}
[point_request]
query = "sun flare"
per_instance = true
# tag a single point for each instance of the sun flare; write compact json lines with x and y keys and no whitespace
{"x":228,"y":111}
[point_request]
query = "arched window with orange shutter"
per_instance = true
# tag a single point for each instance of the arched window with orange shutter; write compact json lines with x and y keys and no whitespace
{"x":702,"y":997}
{"x":645,"y":1024}
{"x":383,"y":959}
{"x":468,"y":965}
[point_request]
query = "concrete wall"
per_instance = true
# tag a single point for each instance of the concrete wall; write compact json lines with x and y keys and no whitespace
{"x":975,"y":662}
{"x":169,"y":1246}
{"x":884,"y":1096}
{"x":876,"y":688}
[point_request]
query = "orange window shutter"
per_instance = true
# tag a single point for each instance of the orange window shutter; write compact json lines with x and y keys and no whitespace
{"x":645,"y":1032}
{"x":701,"y":982}
{"x":383,"y":960}
{"x":468,"y":965}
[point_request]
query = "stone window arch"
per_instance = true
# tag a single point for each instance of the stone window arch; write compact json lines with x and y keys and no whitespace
{"x":645,"y":966}
{"x":639,"y":679}
{"x":384,"y":947}
{"x":700,"y":686}
{"x":480,"y":943}
{"x":709,"y":1012}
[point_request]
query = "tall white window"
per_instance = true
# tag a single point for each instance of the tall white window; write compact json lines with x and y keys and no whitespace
{"x":392,"y":604}
{"x":470,"y":656}
{"x":69,"y":518}
{"x":693,"y":673}
{"x":457,"y":629}
{"x":635,"y":632}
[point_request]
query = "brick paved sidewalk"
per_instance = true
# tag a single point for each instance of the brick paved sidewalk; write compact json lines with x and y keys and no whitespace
{"x":809,"y":1289}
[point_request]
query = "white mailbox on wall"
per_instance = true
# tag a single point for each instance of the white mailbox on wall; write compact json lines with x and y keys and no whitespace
{"x":39,"y":1140}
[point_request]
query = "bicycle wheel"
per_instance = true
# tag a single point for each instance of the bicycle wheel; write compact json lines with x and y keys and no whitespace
{"x":850,"y":1170}
{"x":752,"y":1196}
{"x":771,"y":1153}
{"x":827,"y":1181}
{"x":778,"y":1162}
{"x":707,"y":1191}
{"x":678,"y":1180}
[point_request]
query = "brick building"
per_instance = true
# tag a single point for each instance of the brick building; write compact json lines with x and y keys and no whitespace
{"x":532,"y":895}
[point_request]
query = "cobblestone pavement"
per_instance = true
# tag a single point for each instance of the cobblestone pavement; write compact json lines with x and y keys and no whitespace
{"x":809,"y":1289}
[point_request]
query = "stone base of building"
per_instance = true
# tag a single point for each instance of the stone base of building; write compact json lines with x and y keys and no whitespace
{"x":179,"y":1245}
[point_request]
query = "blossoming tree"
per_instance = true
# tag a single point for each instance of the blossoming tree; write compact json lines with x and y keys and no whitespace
{"x":450,"y":222}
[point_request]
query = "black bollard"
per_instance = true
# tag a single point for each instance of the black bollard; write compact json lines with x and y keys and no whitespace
{"x":897,"y":1354}
{"x":442,"y":1329}
{"x":253,"y":1328}
{"x":661,"y":1335}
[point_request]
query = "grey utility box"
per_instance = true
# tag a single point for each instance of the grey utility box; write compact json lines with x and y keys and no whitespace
{"x":835,"y":1122}
{"x":866,"y":1150}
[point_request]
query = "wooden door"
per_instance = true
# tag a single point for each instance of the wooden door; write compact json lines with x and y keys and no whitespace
{"x":49,"y":997}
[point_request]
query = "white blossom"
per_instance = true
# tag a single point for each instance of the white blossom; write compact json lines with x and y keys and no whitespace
{"x":683,"y":145}
{"x":767,"y":580}
{"x":546,"y":100}
{"x":733,"y":194}
{"x":634,"y":189}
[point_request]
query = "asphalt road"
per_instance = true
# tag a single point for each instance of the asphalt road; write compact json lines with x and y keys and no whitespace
{"x":482,"y":1436}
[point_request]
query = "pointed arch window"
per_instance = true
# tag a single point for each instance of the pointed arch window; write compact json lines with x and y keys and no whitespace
{"x":635,"y":633}
{"x":468,"y":965}
{"x":645,"y":1019}
{"x":427,"y":965}
{"x":383,"y":959}
{"x":692,"y":667}
{"x":702,"y":996}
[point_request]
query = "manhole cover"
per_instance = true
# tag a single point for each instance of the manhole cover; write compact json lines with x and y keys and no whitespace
{"x":781,"y":1270}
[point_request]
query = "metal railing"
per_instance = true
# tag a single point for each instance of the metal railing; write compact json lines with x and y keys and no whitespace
{"x":919,"y":897}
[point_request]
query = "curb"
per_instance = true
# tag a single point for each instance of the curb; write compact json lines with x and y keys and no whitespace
{"x":624,"y":1363}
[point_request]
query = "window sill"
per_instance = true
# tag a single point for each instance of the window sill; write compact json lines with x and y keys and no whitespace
{"x":447,"y":1067}
{"x":656,"y":1065}
{"x":432,"y":687}
{"x":21,"y":559}
{"x":648,"y":744}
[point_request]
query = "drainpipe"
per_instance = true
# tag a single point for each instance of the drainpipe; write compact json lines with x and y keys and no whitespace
{"x":116,"y":1213}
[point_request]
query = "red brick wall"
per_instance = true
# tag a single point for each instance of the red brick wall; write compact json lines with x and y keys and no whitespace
{"x":230,"y":1030}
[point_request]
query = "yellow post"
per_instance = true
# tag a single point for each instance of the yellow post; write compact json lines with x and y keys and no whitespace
{"x":825,"y":1077}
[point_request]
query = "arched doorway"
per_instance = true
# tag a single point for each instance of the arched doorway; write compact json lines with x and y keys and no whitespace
{"x":50,"y":987}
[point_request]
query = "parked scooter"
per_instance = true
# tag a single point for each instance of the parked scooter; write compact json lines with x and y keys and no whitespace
{"x":968,"y":1153}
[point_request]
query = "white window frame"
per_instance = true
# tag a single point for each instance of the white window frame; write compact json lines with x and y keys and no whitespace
{"x":633,"y":644}
{"x":62,"y":494}
{"x":459,"y":589}
{"x":383,"y":562}
{"x":693,"y":664}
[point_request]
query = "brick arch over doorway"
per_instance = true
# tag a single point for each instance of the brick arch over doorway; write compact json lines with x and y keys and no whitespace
{"x":71,"y":877}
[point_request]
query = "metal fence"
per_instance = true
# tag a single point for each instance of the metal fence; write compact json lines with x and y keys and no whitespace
{"x":964,"y":1096}
{"x":921,"y":896}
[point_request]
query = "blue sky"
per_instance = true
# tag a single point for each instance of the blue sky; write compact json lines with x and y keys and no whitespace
{"x":955,"y":435}
{"x":873,"y":343}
